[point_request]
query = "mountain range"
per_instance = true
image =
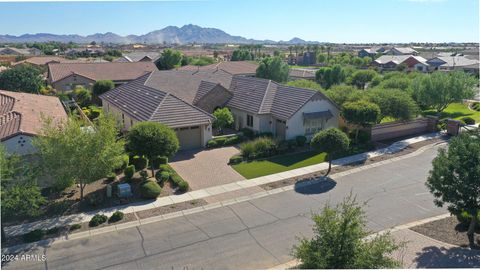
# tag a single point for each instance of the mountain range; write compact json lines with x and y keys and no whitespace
{"x":186,"y":34}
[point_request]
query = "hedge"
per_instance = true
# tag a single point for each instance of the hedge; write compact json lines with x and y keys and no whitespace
{"x":162,"y":176}
{"x":140,"y":163}
{"x":33,"y":236}
{"x":301,"y":140}
{"x":129,"y":171}
{"x":183,"y":186}
{"x":223,"y":141}
{"x":468,"y":120}
{"x":235,"y":159}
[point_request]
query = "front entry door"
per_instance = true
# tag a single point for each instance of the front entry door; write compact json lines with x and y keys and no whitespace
{"x":280,"y":127}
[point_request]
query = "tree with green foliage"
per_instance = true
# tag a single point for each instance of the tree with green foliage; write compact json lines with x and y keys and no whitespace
{"x":394,"y":103}
{"x":361,"y":113}
{"x":102,"y":86}
{"x":455,"y":178}
{"x":361,"y":77}
{"x":439,"y":89}
{"x":74,"y":153}
{"x":306,"y":84}
{"x":22,"y":78}
{"x":82,"y":95}
{"x":328,"y":76}
{"x":223,"y":119}
{"x":273,"y":68}
{"x":344,"y":93}
{"x":169,"y":59}
{"x":152,"y":139}
{"x":20,"y":195}
{"x":242,"y":55}
{"x":332,"y":141}
{"x":339,"y":241}
{"x":402,"y":83}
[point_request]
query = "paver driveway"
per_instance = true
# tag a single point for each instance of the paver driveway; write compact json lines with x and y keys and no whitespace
{"x":204,"y":168}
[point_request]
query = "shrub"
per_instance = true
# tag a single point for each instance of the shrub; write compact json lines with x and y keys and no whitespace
{"x":364,"y":136}
{"x":53,"y":230}
{"x":176,"y":179}
{"x":221,"y":141}
{"x":165,"y":168}
{"x":212,"y":143}
{"x":158,"y":161}
{"x":150,"y":190}
{"x":468,"y":120}
{"x":129,"y":171}
{"x":162,"y":176}
{"x":183,"y":186}
{"x":233,"y":140}
{"x":74,"y":227}
{"x":248,"y":133}
{"x":125,"y":161}
{"x":265,"y":134}
{"x":140,"y":163}
{"x":111,"y":176}
{"x":117,"y":216}
{"x":301,"y":140}
{"x":264,"y":147}
{"x":235,"y":159}
{"x":97,"y":220}
{"x":248,"y":150}
{"x":33,"y":236}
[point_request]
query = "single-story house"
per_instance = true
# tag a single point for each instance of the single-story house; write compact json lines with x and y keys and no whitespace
{"x":184,"y":100}
{"x":454,"y":62}
{"x":21,"y":118}
{"x":17,"y":51}
{"x":139,"y":57}
{"x":44,"y":60}
{"x":371,"y":52}
{"x":301,"y":73}
{"x":391,"y":62}
{"x":402,"y":51}
{"x":65,"y":76}
{"x":243,"y":68}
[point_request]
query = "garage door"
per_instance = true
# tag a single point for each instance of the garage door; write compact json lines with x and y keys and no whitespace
{"x":189,"y":137}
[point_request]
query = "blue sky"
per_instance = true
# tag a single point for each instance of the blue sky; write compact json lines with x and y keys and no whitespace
{"x":321,"y":20}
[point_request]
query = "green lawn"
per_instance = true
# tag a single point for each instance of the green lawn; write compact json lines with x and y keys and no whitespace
{"x":456,"y":111}
{"x":278,"y":164}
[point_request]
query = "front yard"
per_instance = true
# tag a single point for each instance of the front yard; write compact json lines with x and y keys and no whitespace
{"x":278,"y":164}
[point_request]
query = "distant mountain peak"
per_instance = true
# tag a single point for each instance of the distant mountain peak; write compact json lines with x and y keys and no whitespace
{"x":189,"y":33}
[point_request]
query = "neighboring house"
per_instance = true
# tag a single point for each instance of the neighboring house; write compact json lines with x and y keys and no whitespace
{"x":21,"y":118}
{"x":300,"y":73}
{"x":402,"y":51}
{"x":243,"y":68}
{"x":371,"y":52}
{"x":139,"y":57}
{"x":391,"y":62}
{"x":184,"y":100}
{"x":454,"y":62}
{"x":65,"y":76}
{"x":44,"y":60}
{"x":303,"y":59}
{"x":16,"y":51}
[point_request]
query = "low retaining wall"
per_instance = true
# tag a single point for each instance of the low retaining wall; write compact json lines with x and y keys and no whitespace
{"x":393,"y":130}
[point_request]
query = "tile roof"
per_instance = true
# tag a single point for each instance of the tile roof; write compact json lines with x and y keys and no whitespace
{"x":22,"y":113}
{"x":398,"y":59}
{"x":185,"y":84}
{"x":260,"y":96}
{"x":43,"y":60}
{"x":302,"y":73}
{"x":115,"y":71}
{"x":405,"y":50}
{"x":145,"y":103}
{"x":232,"y":67}
{"x":137,"y":56}
{"x":458,"y":61}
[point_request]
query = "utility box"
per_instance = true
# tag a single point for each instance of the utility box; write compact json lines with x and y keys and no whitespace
{"x":124,"y":191}
{"x":453,"y":127}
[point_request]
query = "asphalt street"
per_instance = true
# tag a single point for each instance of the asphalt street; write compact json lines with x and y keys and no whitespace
{"x":250,"y":235}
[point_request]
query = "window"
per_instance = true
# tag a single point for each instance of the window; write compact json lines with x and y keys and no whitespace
{"x":249,"y":120}
{"x":123,"y":118}
{"x":313,"y":126}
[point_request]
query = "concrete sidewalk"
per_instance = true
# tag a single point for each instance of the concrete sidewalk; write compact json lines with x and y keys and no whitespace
{"x":226,"y":189}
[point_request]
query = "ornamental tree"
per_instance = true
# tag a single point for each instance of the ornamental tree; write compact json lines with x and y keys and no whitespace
{"x":361,"y":113}
{"x":339,"y":241}
{"x":223,"y":119}
{"x":169,"y":59}
{"x":455,"y":178}
{"x":22,"y":78}
{"x":152,"y":139}
{"x":332,"y":141}
{"x":273,"y":68}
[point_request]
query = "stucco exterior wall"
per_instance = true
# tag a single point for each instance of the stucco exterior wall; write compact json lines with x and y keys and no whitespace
{"x":295,"y":125}
{"x":20,"y":145}
{"x":63,"y":84}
